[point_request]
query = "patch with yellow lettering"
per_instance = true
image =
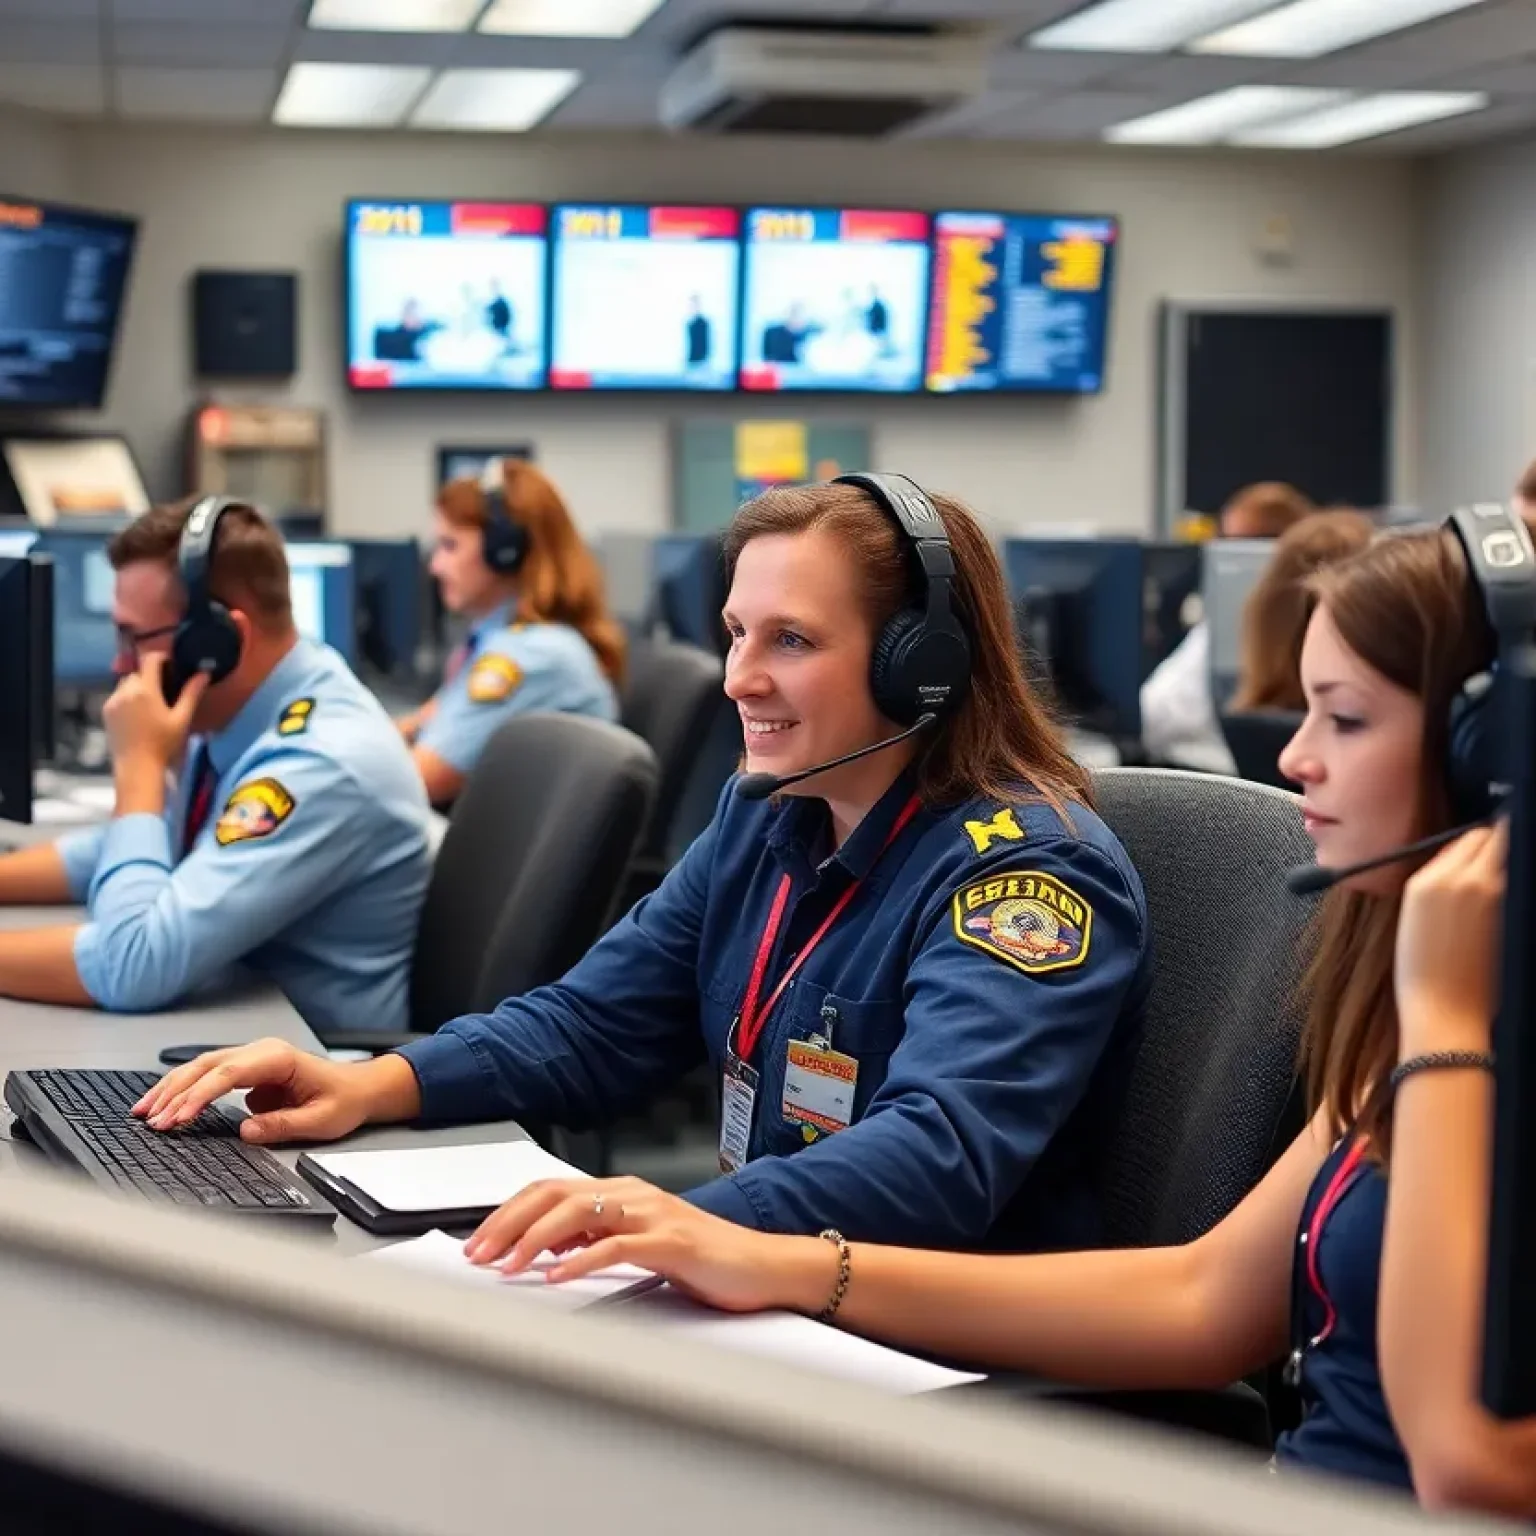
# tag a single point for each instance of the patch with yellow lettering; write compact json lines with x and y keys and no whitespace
{"x":255,"y":810}
{"x":294,"y":720}
{"x":1002,"y":827}
{"x":1028,"y":918}
{"x":493,"y":678}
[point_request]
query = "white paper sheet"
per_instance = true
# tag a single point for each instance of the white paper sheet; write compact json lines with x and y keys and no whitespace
{"x":794,"y":1340}
{"x":443,"y":1256}
{"x":447,"y":1178}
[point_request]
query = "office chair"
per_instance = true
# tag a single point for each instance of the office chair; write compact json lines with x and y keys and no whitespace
{"x":671,"y":700}
{"x":1256,"y":738}
{"x":536,"y":851}
{"x":1211,"y":1101}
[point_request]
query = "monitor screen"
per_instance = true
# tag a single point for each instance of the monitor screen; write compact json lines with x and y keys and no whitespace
{"x":322,"y":589}
{"x":446,"y":295}
{"x":62,"y":275}
{"x":645,"y":297}
{"x":1020,"y":302}
{"x":84,"y":640}
{"x":835,"y":299}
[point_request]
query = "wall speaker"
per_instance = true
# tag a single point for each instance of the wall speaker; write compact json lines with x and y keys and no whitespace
{"x":244,"y":324}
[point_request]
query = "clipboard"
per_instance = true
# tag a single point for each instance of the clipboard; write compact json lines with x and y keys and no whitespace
{"x":356,"y":1204}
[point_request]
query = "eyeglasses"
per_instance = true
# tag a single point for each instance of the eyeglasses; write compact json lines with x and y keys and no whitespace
{"x":129,"y":641}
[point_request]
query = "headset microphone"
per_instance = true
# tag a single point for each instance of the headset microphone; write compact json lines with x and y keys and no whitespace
{"x":758,"y":786}
{"x":1312,"y":879}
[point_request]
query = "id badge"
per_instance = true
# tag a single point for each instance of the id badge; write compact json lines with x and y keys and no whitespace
{"x":819,"y":1084}
{"x":738,"y":1095}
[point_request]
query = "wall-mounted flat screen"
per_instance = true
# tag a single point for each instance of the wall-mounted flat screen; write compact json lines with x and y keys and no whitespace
{"x":1020,"y":302}
{"x":446,"y":295}
{"x":645,"y":297}
{"x":836,"y":299}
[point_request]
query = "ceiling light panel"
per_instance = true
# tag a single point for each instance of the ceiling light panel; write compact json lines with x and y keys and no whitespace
{"x":568,"y":18}
{"x":494,"y":100}
{"x":1366,"y":117}
{"x":348,"y":95}
{"x":1142,"y":26}
{"x":394,"y":15}
{"x":1210,"y":119}
{"x":1307,"y":29}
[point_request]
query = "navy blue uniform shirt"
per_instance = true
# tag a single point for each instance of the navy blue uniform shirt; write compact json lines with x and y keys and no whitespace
{"x":1347,"y":1428}
{"x":989,"y":977}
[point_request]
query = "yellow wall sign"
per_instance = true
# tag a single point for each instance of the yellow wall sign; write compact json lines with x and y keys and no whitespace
{"x":772,"y":452}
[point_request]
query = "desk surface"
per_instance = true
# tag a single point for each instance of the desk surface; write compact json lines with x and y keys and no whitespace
{"x":39,"y":1035}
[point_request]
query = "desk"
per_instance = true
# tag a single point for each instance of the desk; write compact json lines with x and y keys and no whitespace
{"x":39,"y":1035}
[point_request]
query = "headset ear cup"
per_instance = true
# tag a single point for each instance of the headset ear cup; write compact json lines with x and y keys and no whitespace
{"x":1471,"y":766}
{"x":208,"y":643}
{"x":890,"y":678}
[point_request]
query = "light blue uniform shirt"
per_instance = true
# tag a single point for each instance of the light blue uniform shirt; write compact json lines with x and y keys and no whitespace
{"x":514,"y":669}
{"x":311,"y":866}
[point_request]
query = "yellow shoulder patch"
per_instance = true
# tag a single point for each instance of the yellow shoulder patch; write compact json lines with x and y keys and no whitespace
{"x":294,"y":720}
{"x":256,"y":809}
{"x":1028,"y":918}
{"x":493,"y":678}
{"x":1002,"y":827}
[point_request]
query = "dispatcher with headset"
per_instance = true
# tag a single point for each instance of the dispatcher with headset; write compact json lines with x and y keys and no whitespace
{"x":921,"y":977}
{"x":295,"y":836}
{"x":509,"y":556}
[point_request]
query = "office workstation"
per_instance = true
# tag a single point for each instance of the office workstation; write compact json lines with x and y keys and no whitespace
{"x":840,"y":708}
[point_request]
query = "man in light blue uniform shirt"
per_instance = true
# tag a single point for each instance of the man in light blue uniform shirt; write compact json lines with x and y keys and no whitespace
{"x":512,"y":669}
{"x":273,"y":818}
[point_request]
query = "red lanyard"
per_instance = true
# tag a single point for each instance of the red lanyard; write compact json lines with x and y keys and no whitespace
{"x":1338,"y":1187}
{"x":751,"y":1018}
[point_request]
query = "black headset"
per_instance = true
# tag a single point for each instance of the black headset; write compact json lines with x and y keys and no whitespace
{"x":1502,"y":564}
{"x":921,"y":663}
{"x":206,"y":639}
{"x":504,"y":542}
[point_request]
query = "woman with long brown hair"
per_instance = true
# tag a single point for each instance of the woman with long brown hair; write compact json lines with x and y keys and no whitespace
{"x":1276,"y":613}
{"x":1362,"y":1253}
{"x":911,"y":950}
{"x":507,"y":555}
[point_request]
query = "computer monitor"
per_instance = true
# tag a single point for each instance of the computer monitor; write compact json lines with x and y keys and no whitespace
{"x":16,"y":690}
{"x":389,"y":579}
{"x":1170,"y":584}
{"x":322,"y":587}
{"x":84,"y":640}
{"x":40,"y":623}
{"x":1232,"y":570}
{"x":690,"y":588}
{"x":298,"y":1376}
{"x":1079,"y":605}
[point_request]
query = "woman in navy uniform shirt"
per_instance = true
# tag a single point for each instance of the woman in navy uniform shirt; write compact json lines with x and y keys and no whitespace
{"x":1362,"y":1252}
{"x":920,"y":974}
{"x":508,"y":555}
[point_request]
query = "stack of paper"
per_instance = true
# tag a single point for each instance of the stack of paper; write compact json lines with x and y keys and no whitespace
{"x":447,"y":1178}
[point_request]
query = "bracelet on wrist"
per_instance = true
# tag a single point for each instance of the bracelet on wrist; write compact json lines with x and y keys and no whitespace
{"x":844,"y":1268}
{"x":1441,"y":1061}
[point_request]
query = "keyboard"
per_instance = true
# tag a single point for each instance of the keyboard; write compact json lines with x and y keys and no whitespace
{"x":81,"y":1119}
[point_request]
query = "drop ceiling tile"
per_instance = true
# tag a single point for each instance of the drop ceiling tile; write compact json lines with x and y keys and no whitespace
{"x":74,"y":90}
{"x":1082,"y":115}
{"x":42,"y":42}
{"x":169,"y":44}
{"x":244,"y":13}
{"x":213,"y":95}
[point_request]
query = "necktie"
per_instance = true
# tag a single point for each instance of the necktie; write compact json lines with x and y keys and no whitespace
{"x":199,"y":800}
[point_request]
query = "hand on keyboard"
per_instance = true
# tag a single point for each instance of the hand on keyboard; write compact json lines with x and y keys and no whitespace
{"x":293,"y":1096}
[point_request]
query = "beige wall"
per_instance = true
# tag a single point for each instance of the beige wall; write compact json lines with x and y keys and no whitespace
{"x":217,"y":198}
{"x":1479,"y":386}
{"x":36,"y":156}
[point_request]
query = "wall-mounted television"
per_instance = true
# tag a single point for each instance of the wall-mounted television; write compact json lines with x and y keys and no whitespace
{"x":1020,"y":302}
{"x":645,"y":297}
{"x":63,"y":272}
{"x":446,"y":295}
{"x":835,"y":299}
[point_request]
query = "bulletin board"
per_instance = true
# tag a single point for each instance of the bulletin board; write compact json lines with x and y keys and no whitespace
{"x":720,"y":464}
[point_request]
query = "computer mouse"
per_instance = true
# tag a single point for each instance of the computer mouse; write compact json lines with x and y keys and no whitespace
{"x":180,"y":1055}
